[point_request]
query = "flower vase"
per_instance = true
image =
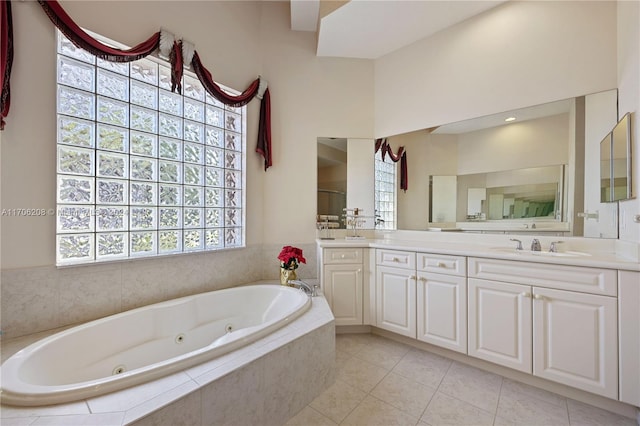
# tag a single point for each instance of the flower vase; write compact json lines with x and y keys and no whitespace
{"x":287,"y":275}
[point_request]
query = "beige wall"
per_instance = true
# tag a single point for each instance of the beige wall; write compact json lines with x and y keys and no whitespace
{"x":518,"y":54}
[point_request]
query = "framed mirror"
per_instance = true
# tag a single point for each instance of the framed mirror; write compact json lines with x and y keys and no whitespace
{"x":605,"y":170}
{"x":621,"y":160}
{"x":615,"y":163}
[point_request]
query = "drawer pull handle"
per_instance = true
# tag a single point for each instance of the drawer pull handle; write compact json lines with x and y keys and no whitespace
{"x":395,"y":259}
{"x":441,"y":265}
{"x":525,"y":294}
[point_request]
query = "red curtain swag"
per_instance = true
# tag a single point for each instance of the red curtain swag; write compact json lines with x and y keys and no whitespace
{"x":80,"y":38}
{"x":257,"y":89}
{"x":6,"y":58}
{"x":401,"y":155}
{"x":160,"y":40}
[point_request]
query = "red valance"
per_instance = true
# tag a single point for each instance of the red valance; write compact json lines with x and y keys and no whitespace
{"x":401,"y":155}
{"x":81,"y":39}
{"x":6,"y":58}
{"x":175,"y":50}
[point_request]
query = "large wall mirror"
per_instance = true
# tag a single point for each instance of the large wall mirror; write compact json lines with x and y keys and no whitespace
{"x":509,"y":170}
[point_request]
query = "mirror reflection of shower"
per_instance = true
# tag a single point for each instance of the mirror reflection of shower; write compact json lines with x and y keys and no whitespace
{"x":332,"y":182}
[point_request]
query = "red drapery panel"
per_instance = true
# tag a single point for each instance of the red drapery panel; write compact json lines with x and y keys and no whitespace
{"x":80,"y":38}
{"x":6,"y":58}
{"x":264,"y":130}
{"x":401,"y":155}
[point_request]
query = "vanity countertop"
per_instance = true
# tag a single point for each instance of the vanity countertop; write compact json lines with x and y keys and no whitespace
{"x":573,"y":253}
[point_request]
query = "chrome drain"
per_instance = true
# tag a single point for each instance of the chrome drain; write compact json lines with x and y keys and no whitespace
{"x":228,"y":328}
{"x":119,"y":370}
{"x":180,"y":338}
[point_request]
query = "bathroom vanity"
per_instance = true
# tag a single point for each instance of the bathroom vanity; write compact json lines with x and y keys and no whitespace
{"x":570,"y":317}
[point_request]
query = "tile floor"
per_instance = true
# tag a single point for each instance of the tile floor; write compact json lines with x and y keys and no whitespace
{"x":383,"y":382}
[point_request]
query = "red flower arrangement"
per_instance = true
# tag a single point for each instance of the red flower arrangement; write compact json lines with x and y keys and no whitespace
{"x":290,"y":256}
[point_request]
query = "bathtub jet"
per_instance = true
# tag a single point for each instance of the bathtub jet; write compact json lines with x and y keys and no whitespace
{"x":146,"y":343}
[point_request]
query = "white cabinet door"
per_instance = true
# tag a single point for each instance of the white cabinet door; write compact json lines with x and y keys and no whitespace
{"x":575,"y":340}
{"x":500,"y":323}
{"x":396,"y":300}
{"x":343,"y":290}
{"x":442,"y":310}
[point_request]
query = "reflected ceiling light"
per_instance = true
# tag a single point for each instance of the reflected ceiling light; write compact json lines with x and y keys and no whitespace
{"x":510,"y":119}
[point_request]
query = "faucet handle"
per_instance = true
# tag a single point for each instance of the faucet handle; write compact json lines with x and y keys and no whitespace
{"x":519,"y":246}
{"x":535,"y":245}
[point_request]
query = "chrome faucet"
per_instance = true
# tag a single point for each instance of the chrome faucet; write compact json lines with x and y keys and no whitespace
{"x":554,"y":246}
{"x":307,"y":288}
{"x":535,"y":245}
{"x":519,"y":246}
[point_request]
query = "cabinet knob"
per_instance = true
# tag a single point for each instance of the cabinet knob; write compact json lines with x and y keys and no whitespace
{"x":424,"y":279}
{"x":525,"y":294}
{"x":538,"y":297}
{"x":412,"y":277}
{"x":358,"y":270}
{"x":395,"y":259}
{"x":441,"y":265}
{"x":342,"y":256}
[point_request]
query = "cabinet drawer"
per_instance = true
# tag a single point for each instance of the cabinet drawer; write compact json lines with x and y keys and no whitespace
{"x":574,"y":278}
{"x":396,"y":258}
{"x":442,"y":264}
{"x":342,"y":255}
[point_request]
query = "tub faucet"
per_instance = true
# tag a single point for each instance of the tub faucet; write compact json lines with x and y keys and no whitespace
{"x":535,"y":245}
{"x":307,"y":288}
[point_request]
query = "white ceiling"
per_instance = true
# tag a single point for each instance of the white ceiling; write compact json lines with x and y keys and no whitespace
{"x":370,"y":29}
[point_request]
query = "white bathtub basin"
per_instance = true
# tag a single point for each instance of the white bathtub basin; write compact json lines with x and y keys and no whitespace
{"x":143,"y":344}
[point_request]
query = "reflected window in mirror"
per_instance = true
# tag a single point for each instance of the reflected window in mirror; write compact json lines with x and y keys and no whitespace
{"x":385,"y":193}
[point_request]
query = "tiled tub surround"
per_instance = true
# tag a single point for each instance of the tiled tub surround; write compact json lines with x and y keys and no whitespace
{"x":266,"y":383}
{"x":43,"y":298}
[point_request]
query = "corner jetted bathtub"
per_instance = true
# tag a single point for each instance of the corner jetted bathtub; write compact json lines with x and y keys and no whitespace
{"x":143,"y":344}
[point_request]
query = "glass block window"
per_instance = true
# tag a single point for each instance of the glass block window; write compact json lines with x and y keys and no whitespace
{"x":142,"y":171}
{"x":385,"y":193}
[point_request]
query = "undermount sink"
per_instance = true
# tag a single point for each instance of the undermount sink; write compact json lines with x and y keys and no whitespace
{"x":512,"y":250}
